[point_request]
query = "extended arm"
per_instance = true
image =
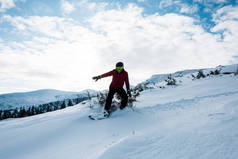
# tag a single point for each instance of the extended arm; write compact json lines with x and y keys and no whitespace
{"x":103,"y":75}
{"x":107,"y":74}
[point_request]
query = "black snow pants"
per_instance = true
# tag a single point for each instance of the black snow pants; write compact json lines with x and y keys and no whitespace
{"x":122,"y":94}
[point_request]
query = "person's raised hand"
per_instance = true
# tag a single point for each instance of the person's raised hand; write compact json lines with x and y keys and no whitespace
{"x":96,"y":78}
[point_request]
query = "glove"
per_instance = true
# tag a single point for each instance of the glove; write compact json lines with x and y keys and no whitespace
{"x":96,"y":78}
{"x":129,"y":92}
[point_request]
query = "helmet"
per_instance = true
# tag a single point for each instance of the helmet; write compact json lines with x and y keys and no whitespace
{"x":119,"y":64}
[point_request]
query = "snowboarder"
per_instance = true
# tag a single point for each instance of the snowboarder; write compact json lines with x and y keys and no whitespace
{"x":119,"y":77}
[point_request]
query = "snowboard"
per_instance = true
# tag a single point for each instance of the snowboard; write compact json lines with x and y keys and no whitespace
{"x":100,"y":116}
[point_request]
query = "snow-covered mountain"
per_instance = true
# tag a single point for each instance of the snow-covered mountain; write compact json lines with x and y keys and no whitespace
{"x":158,"y":80}
{"x":161,"y":77}
{"x":12,"y":100}
{"x":197,"y":118}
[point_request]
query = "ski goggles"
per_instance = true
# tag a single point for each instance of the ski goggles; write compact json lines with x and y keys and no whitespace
{"x":119,"y":68}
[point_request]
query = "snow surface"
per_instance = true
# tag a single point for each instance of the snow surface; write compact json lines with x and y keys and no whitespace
{"x":196,"y":119}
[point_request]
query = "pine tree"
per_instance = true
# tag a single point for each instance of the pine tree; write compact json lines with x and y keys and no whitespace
{"x":63,"y":105}
{"x":217,"y":72}
{"x":236,"y":73}
{"x":33,"y":111}
{"x":10,"y":114}
{"x":41,"y":110}
{"x":89,"y":96}
{"x":37,"y":110}
{"x":70,"y":103}
{"x":0,"y":114}
{"x":77,"y":100}
{"x":6,"y":114}
{"x":58,"y":104}
{"x":56,"y":107}
{"x":170,"y":80}
{"x":28,"y":113}
{"x":48,"y":108}
{"x":20,"y":113}
{"x":24,"y":113}
{"x":200,"y":74}
{"x":15,"y":113}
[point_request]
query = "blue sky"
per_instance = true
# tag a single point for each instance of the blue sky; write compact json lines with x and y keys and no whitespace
{"x":61,"y":44}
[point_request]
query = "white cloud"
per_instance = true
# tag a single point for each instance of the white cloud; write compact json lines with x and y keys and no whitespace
{"x":207,"y":9}
{"x":217,"y":1}
{"x":63,"y":54}
{"x":146,"y":42}
{"x":178,"y":6}
{"x":67,"y":7}
{"x":49,"y":26}
{"x":91,"y":7}
{"x":226,"y":13}
{"x":211,"y":1}
{"x":165,"y":3}
{"x":6,"y":4}
{"x":57,"y":56}
{"x":188,"y":9}
{"x":227,"y":22}
{"x":96,"y":6}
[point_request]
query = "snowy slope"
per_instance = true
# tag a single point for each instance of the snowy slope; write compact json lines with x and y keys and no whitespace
{"x":158,"y":80}
{"x":161,"y":77}
{"x":196,"y":119}
{"x":12,"y":100}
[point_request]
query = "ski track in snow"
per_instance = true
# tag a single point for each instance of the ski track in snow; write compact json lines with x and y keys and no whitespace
{"x":191,"y":124}
{"x":176,"y":139}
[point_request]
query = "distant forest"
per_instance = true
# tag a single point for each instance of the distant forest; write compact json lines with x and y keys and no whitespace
{"x":25,"y":111}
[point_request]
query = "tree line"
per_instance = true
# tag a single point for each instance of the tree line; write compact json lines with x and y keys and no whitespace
{"x":25,"y":111}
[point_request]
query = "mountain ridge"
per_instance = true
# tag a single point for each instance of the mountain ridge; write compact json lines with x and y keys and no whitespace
{"x":18,"y":99}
